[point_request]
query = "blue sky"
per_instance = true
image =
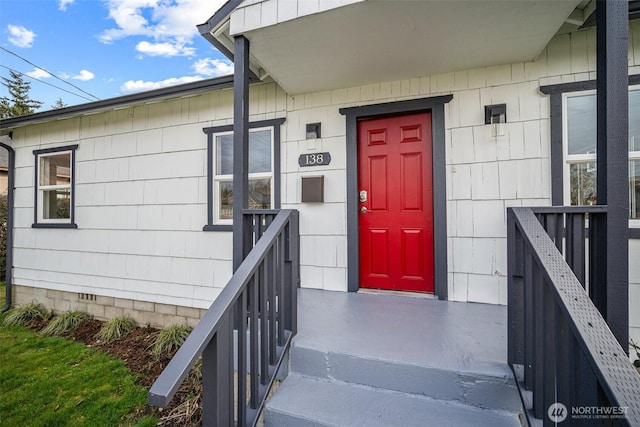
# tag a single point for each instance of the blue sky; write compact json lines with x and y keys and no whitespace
{"x":106,"y":48}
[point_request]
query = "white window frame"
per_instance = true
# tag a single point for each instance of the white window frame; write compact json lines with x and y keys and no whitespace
{"x":219,"y":178}
{"x":39,"y":220}
{"x":569,"y":159}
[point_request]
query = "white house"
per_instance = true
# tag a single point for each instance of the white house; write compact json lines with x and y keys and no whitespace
{"x":123,"y":206}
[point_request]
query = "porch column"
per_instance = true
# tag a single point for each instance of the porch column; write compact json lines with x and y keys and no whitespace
{"x":240,"y":147}
{"x":611,"y":290}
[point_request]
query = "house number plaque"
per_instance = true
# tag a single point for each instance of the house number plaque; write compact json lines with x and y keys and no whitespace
{"x":314,"y":159}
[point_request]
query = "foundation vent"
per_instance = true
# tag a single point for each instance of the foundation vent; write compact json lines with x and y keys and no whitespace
{"x":86,"y":297}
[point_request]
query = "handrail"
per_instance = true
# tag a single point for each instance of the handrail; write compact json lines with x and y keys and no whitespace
{"x":261,"y":305}
{"x":560,"y":346}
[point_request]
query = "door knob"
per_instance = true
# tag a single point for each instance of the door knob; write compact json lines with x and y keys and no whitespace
{"x":363,"y":210}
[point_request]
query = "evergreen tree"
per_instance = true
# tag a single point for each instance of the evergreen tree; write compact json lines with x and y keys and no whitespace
{"x":58,"y":104}
{"x":19,"y":103}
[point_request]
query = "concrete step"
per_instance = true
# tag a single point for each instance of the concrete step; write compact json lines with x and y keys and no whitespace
{"x":468,"y":388}
{"x":313,"y":402}
{"x":362,"y":359}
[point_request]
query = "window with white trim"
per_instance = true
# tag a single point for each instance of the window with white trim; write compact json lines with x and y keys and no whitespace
{"x":264,"y":171}
{"x":580,"y":150}
{"x":260,"y":173}
{"x":54,"y":187}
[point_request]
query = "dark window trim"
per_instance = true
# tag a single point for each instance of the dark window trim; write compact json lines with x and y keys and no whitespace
{"x":210,"y":132}
{"x":354,"y":114}
{"x":555,"y":93}
{"x":72,"y":207}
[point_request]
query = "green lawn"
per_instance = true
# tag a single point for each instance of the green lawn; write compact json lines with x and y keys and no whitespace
{"x":55,"y":382}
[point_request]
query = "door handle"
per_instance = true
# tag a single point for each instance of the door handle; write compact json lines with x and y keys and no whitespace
{"x":364,"y":210}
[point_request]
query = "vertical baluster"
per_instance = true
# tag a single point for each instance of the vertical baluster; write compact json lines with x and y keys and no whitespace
{"x":257,"y":221}
{"x":597,"y":264}
{"x":586,"y":388}
{"x":565,"y":359}
{"x":254,"y":333}
{"x":241,"y":321}
{"x":217,"y":377}
{"x":264,"y":318}
{"x":548,"y":349}
{"x":282,"y":298}
{"x":538,"y":342}
{"x":529,"y":321}
{"x":575,"y":254}
{"x":272,"y":304}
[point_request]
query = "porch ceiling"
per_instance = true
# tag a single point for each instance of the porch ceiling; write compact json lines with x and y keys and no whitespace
{"x":383,"y":40}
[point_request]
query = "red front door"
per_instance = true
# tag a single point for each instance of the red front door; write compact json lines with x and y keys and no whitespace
{"x":396,"y":203}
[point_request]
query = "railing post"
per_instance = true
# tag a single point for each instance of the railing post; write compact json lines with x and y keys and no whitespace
{"x":241,"y":231}
{"x":538,"y":341}
{"x":291,"y":262}
{"x":612,"y":157}
{"x":295,"y":269}
{"x":515,"y":292}
{"x":217,"y":378}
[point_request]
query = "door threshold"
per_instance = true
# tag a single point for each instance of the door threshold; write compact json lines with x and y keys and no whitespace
{"x":371,"y":291}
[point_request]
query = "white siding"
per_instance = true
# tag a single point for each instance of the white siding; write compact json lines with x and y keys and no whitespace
{"x":141,"y":203}
{"x":141,"y":189}
{"x":254,"y":14}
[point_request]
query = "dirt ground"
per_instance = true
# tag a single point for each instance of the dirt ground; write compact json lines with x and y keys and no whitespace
{"x":135,"y":351}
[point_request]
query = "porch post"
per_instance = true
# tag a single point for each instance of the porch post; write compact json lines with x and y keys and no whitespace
{"x":240,"y":147}
{"x":611,"y":294}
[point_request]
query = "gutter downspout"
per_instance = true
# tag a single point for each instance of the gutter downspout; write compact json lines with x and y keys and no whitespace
{"x":9,"y":246}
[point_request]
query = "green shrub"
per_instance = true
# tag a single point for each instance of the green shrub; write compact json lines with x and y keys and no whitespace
{"x":64,"y":323}
{"x":116,"y":328}
{"x":170,"y":339}
{"x":24,"y":314}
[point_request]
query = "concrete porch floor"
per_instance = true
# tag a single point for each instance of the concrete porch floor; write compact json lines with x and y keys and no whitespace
{"x":443,"y":363}
{"x":457,"y":336}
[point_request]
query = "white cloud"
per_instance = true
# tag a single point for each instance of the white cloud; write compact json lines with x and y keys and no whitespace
{"x":83,"y":76}
{"x":168,"y":23}
{"x":138,"y":85}
{"x":38,"y":73}
{"x":62,"y":4}
{"x":213,"y":67}
{"x":164,"y":49}
{"x":20,"y":36}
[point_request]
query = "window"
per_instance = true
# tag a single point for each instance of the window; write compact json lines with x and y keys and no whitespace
{"x":264,"y":171}
{"x":54,"y":187}
{"x":580,"y":150}
{"x":260,"y":172}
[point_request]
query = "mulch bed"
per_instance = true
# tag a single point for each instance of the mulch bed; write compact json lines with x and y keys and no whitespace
{"x":135,"y":351}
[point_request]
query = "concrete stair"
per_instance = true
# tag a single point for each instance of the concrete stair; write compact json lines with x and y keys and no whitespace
{"x":386,"y":360}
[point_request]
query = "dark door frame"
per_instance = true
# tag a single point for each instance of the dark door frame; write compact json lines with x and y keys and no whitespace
{"x":435,"y":105}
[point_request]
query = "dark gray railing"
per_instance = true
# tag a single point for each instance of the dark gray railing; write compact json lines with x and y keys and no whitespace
{"x":560,"y":347}
{"x":567,"y":228}
{"x":259,"y":306}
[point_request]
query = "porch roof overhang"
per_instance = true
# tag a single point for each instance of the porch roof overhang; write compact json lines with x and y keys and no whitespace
{"x":376,"y":40}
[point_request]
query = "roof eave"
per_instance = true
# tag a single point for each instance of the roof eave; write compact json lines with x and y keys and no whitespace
{"x":119,"y":102}
{"x":214,"y":24}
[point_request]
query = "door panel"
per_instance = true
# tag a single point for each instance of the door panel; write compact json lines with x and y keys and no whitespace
{"x":396,"y":219}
